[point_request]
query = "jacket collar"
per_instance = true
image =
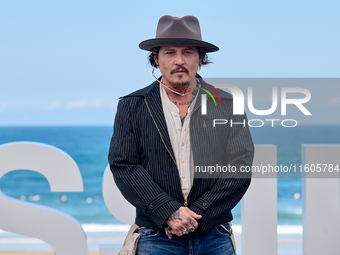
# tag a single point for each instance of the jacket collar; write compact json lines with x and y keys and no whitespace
{"x":152,"y":98}
{"x":154,"y":103}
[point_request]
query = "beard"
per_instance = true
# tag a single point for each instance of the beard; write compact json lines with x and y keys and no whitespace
{"x":180,"y":84}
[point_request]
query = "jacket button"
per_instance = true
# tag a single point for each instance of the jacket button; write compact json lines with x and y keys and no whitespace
{"x":204,"y":204}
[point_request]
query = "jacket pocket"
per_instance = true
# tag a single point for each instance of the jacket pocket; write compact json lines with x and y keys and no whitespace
{"x":224,"y":229}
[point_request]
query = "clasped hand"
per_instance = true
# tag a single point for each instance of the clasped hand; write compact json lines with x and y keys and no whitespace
{"x":182,"y":222}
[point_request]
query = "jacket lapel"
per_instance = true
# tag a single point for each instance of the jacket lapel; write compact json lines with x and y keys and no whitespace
{"x":154,"y":104}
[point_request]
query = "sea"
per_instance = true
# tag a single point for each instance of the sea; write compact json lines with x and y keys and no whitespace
{"x":88,"y":146}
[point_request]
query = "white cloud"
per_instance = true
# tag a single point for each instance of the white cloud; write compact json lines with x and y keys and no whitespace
{"x":335,"y":101}
{"x":96,"y":103}
{"x":4,"y":106}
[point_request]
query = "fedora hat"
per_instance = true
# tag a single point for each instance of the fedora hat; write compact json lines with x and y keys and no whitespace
{"x":177,"y":31}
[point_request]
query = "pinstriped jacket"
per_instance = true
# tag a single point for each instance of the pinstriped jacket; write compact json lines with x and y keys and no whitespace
{"x":144,"y":167}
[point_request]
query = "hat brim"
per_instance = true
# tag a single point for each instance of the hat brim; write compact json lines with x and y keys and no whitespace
{"x":157,"y":42}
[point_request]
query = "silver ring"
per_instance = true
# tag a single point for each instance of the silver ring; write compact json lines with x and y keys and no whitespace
{"x":185,"y":231}
{"x":191,"y":229}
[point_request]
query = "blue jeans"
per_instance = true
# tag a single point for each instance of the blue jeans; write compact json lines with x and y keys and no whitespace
{"x":214,"y":242}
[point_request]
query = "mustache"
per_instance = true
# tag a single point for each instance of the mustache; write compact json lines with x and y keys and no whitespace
{"x":178,"y":68}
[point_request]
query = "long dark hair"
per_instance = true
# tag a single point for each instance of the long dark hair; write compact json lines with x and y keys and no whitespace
{"x":201,"y":51}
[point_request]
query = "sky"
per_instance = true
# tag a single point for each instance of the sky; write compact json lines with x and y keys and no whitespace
{"x":68,"y":62}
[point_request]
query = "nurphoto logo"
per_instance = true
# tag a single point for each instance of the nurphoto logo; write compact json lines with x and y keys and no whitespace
{"x":239,"y":105}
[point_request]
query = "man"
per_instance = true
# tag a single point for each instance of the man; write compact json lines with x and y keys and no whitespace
{"x":163,"y":144}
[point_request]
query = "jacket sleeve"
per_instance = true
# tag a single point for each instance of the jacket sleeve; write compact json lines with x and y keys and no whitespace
{"x":134,"y":182}
{"x":230,"y":187}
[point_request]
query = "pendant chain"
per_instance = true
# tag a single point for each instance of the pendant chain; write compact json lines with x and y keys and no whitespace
{"x":174,"y":91}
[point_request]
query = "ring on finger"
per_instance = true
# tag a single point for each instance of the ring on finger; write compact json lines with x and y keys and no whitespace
{"x":191,"y":229}
{"x":185,"y":231}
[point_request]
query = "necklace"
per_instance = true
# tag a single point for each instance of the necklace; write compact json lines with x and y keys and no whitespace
{"x":174,"y":91}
